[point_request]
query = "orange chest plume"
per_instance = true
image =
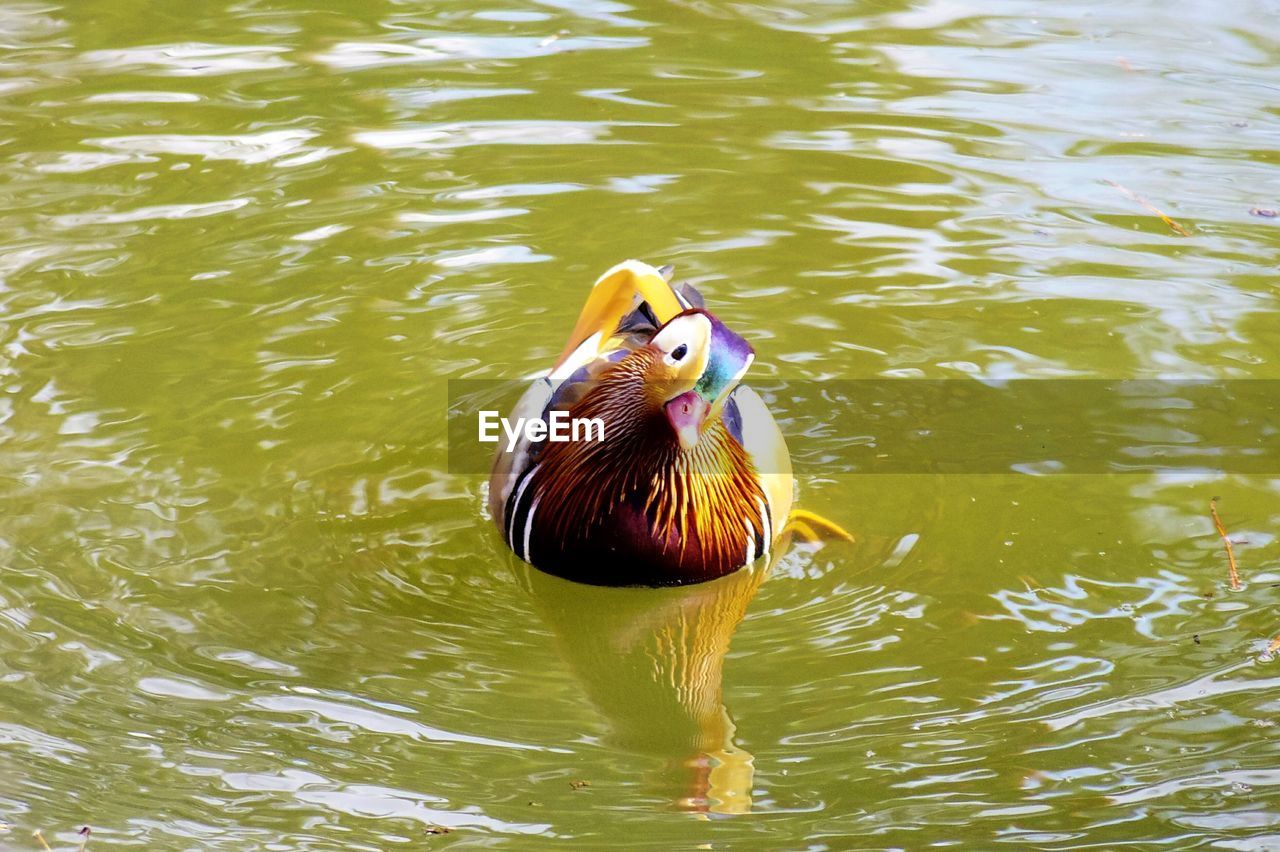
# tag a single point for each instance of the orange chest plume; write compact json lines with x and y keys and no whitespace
{"x":687,"y":476}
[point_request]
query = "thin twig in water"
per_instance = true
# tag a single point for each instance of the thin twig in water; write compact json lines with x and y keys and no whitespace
{"x":39,"y":835}
{"x":1150,"y":208}
{"x":1231,"y":554}
{"x":554,"y":37}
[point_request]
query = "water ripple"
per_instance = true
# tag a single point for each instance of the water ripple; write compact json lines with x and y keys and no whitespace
{"x":246,"y":603}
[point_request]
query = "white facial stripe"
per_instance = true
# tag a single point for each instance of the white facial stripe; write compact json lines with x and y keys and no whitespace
{"x":693,"y":330}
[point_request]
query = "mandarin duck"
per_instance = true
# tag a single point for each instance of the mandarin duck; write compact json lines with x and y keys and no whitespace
{"x":691,"y":478}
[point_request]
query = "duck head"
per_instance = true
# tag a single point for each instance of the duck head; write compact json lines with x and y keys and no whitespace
{"x":696,"y":362}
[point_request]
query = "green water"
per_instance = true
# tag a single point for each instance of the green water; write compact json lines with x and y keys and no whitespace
{"x":245,"y":605}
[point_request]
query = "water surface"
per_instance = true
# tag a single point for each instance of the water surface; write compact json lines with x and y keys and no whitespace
{"x":245,"y":604}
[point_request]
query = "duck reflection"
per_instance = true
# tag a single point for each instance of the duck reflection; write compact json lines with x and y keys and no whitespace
{"x":652,"y":660}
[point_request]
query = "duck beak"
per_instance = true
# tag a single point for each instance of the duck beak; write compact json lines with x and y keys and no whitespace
{"x":687,"y":413}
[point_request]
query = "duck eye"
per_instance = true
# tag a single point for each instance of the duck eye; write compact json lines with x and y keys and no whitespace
{"x":679,"y":352}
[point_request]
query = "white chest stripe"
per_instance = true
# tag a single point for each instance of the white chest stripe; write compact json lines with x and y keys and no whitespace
{"x":528,"y":527}
{"x":514,"y":508}
{"x":765,"y":523}
{"x":751,"y":543}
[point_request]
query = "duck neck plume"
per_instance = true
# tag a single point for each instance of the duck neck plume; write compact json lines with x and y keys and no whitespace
{"x":637,"y":508}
